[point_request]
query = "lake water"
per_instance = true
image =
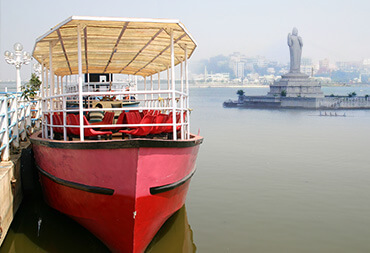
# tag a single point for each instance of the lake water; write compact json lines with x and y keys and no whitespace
{"x":266,"y":181}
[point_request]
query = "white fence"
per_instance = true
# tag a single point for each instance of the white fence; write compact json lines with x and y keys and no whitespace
{"x":355,"y":102}
{"x":17,"y":118}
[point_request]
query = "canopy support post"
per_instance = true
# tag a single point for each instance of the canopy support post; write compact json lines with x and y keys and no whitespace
{"x":42,"y":99}
{"x":51,"y":73}
{"x":159,"y":88}
{"x":145,"y":96}
{"x":80,"y":98}
{"x":187,"y":91}
{"x":173,"y":87}
{"x":151,"y":89}
{"x":47,"y":82}
{"x":182,"y":101}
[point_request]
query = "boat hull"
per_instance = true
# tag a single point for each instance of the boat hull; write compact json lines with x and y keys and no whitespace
{"x":120,"y":190}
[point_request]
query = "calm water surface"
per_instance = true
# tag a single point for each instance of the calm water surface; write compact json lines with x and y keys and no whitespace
{"x":280,"y":180}
{"x":267,"y":181}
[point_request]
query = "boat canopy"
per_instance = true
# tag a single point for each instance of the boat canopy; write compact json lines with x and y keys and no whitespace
{"x":130,"y":46}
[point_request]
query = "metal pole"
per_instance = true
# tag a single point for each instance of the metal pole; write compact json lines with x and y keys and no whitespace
{"x":64,"y":118}
{"x":136,"y":96}
{"x":168,"y":77}
{"x":80,"y":98}
{"x":57,"y":93}
{"x":46,"y":82}
{"x":151,"y":89}
{"x":18,"y":70}
{"x":42,"y":81}
{"x":182,"y":101}
{"x":145,"y":102}
{"x":42,"y":100}
{"x":52,"y":82}
{"x":61,"y":85}
{"x":51,"y":89}
{"x":168,"y":86}
{"x":173,"y":87}
{"x":187,"y":91}
{"x":159,"y":88}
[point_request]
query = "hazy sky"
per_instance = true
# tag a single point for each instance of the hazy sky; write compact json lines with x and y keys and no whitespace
{"x":334,"y":29}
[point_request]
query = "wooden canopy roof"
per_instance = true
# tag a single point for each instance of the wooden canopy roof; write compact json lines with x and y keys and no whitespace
{"x":113,"y":45}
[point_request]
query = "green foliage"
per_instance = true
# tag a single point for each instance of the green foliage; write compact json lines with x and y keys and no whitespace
{"x":366,"y":96}
{"x":353,"y":94}
{"x":283,"y":93}
{"x":332,"y":95}
{"x":240,"y":92}
{"x":30,"y":89}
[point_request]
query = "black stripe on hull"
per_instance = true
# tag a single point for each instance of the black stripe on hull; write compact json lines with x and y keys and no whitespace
{"x":82,"y":187}
{"x":168,"y":187}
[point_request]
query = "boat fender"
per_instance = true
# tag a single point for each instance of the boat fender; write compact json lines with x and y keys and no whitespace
{"x":13,"y":181}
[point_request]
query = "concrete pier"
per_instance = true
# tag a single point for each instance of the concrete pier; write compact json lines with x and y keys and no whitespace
{"x":279,"y":102}
{"x":10,"y":190}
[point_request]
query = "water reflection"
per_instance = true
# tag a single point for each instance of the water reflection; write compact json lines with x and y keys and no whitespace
{"x":174,"y":236}
{"x":39,"y":228}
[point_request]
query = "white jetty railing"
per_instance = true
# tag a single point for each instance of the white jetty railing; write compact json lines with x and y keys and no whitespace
{"x":17,"y":117}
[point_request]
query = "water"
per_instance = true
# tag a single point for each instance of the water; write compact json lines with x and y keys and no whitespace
{"x":267,"y":181}
{"x":9,"y":86}
{"x":280,"y":180}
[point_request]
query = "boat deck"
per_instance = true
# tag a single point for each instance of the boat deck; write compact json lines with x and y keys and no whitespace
{"x":118,"y":136}
{"x":153,"y":124}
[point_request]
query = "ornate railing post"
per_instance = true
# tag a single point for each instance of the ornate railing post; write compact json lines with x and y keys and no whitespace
{"x":5,"y":154}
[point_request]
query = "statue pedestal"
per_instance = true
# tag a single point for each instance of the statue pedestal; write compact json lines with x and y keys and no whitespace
{"x":296,"y":85}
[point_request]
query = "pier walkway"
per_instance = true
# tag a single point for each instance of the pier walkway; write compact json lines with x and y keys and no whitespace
{"x":18,"y":119}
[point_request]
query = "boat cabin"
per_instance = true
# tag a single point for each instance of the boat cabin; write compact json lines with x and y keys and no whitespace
{"x":121,"y":68}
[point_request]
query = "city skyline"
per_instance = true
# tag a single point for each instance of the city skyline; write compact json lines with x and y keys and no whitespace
{"x":330,"y":29}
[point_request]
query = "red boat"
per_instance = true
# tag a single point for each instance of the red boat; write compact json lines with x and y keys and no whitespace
{"x":124,"y":177}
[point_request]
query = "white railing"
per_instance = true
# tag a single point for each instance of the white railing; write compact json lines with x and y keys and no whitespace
{"x":17,"y":117}
{"x":165,"y":101}
{"x":345,"y":102}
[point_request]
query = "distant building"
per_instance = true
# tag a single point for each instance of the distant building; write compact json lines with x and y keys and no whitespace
{"x":307,"y":66}
{"x":271,"y":71}
{"x":220,"y":77}
{"x":324,"y":67}
{"x":239,"y":70}
{"x":366,"y":62}
{"x":306,"y":61}
{"x":348,"y":66}
{"x":209,"y":78}
{"x":237,"y":65}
